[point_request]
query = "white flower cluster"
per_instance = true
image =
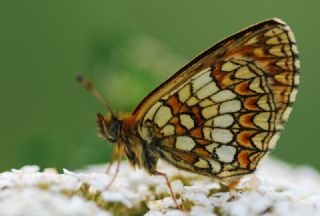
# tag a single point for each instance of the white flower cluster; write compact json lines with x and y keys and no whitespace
{"x":276,"y":189}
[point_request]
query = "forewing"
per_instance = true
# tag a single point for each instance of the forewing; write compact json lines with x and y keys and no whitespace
{"x":223,"y":112}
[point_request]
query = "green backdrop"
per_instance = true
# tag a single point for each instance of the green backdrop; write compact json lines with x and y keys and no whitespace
{"x":127,"y":48}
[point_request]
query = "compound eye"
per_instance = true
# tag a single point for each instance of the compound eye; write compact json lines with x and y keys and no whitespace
{"x":108,"y":127}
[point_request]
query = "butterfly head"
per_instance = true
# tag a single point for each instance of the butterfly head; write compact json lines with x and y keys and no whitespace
{"x":108,"y":127}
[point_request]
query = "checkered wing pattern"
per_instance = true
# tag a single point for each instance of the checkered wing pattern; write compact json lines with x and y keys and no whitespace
{"x":222,"y":113}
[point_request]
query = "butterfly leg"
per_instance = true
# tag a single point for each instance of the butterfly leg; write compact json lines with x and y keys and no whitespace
{"x":169,"y":186}
{"x":113,"y":157}
{"x":120,"y":151}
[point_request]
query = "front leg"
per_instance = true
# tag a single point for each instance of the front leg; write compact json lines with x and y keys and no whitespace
{"x":119,"y":151}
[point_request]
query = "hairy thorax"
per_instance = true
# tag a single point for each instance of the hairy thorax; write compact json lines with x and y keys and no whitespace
{"x":138,"y":151}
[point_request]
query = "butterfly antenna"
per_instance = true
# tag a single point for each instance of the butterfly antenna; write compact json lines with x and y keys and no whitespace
{"x":92,"y":90}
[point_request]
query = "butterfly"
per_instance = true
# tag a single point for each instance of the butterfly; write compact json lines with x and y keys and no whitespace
{"x":220,"y":114}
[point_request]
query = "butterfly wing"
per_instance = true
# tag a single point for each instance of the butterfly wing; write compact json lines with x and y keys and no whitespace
{"x":222,"y":112}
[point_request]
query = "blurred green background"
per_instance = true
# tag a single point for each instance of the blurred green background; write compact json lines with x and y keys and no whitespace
{"x":126,"y":48}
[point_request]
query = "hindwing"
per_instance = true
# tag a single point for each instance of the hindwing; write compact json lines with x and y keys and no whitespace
{"x":222,"y":112}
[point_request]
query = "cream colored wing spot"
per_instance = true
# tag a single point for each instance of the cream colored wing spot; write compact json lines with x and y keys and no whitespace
{"x":285,"y":64}
{"x":207,"y":133}
{"x":211,"y":147}
{"x":207,"y":90}
{"x":229,"y":66}
{"x":293,"y":95}
{"x":284,"y":38}
{"x":287,"y":49}
{"x":277,"y":51}
{"x":262,"y":120}
{"x":162,"y":116}
{"x":209,"y":123}
{"x":297,"y":63}
{"x":286,"y":113}
{"x":273,"y":141}
{"x":224,"y":121}
{"x":184,"y":93}
{"x":294,"y":49}
{"x":223,"y":96}
{"x":258,"y":140}
{"x":291,"y":36}
{"x":296,"y":79}
{"x":252,"y":41}
{"x":168,"y":130}
{"x":192,"y":101}
{"x":230,"y":106}
{"x":201,"y":73}
{"x":201,"y":163}
{"x":279,"y":39}
{"x":278,"y":125}
{"x":244,"y":73}
{"x":206,"y":102}
{"x":263,"y":103}
{"x":185,"y":143}
{"x":152,"y":111}
{"x":216,"y":166}
{"x":255,"y":85}
{"x":210,"y":111}
{"x":221,"y":135}
{"x":284,"y":77}
{"x":145,"y":133}
{"x":201,"y":81}
{"x":226,"y":153}
{"x":273,"y":32}
{"x":186,"y":121}
{"x":273,"y":41}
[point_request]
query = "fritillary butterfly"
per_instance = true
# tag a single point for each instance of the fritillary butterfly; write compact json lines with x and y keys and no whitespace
{"x":220,"y":114}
